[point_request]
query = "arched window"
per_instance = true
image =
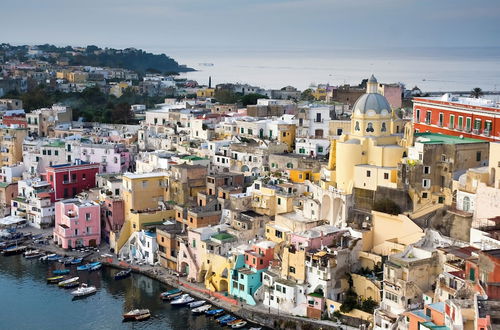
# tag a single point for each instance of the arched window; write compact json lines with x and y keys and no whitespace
{"x":369,"y":128}
{"x":383,"y":128}
{"x":356,"y":128}
{"x":466,"y":203}
{"x":289,"y":165}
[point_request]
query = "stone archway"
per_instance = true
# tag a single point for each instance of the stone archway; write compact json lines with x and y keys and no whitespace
{"x":245,"y":168}
{"x":223,"y":286}
{"x":184,"y":268}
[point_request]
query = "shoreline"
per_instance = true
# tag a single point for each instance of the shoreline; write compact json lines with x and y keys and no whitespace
{"x":252,"y":314}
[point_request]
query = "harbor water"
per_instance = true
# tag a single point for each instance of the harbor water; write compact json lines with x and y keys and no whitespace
{"x":27,"y":302}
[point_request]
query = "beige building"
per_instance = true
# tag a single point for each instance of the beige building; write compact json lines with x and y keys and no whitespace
{"x":11,"y":145}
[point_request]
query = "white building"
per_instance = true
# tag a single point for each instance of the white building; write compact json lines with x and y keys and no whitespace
{"x":140,"y":248}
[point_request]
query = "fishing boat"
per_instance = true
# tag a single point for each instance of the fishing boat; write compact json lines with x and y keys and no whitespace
{"x":55,"y":279}
{"x":172,"y":296}
{"x":195,"y":304}
{"x":32,"y":254}
{"x":239,"y":325}
{"x":182,"y":300}
{"x":68,"y":281}
{"x":215,"y":312}
{"x":165,"y":294}
{"x":95,"y":266}
{"x":201,"y":309}
{"x":14,"y":250}
{"x":234,"y":322}
{"x":61,"y":271}
{"x":71,"y":285}
{"x":227,"y":320}
{"x":88,"y":266}
{"x":84,"y":290}
{"x":137,"y":315}
{"x":123,"y":274}
{"x":76,"y":261}
{"x":53,"y":257}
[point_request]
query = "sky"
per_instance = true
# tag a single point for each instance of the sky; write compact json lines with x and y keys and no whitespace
{"x":251,"y":24}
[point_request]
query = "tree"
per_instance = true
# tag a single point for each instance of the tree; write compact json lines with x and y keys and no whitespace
{"x":476,"y":92}
{"x":251,"y":99}
{"x":121,"y":113}
{"x":307,"y":95}
{"x":368,"y":305}
{"x":225,"y":96}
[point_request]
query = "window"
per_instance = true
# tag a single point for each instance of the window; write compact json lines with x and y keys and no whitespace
{"x":460,"y":122}
{"x":88,"y":216}
{"x":242,"y":130}
{"x":56,"y":152}
{"x":391,"y":296}
{"x":302,"y":151}
{"x":320,"y":149}
{"x":291,"y":269}
{"x":369,"y":128}
{"x":356,"y":127}
{"x":426,"y":183}
{"x":452,"y":122}
{"x":427,"y":169}
{"x":386,"y":176}
{"x":424,"y":195}
{"x":194,"y":243}
{"x":144,"y":184}
{"x":428,"y":117}
{"x":279,"y":201}
{"x":383,"y":128}
{"x":84,"y":176}
{"x":468,"y":123}
{"x":477,"y":126}
{"x":368,"y":174}
{"x":44,"y":152}
{"x":73,"y":177}
{"x":441,"y":119}
{"x":417,"y":116}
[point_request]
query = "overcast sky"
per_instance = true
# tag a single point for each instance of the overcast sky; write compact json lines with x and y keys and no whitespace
{"x":247,"y":24}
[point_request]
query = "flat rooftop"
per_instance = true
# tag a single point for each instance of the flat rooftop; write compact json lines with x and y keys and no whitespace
{"x":435,"y":138}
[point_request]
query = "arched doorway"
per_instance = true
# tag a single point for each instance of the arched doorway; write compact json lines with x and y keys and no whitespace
{"x":184,"y":268}
{"x":223,"y":286}
{"x":245,"y":168}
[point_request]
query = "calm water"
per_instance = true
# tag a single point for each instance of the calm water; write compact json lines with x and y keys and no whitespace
{"x":431,"y":69}
{"x":27,"y":302}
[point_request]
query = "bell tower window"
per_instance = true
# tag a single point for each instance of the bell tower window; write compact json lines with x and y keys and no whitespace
{"x":356,"y":128}
{"x":383,"y":128}
{"x":369,"y":128}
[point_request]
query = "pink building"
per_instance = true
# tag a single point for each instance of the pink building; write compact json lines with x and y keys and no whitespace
{"x":78,"y":223}
{"x":260,"y":255}
{"x":316,"y":238}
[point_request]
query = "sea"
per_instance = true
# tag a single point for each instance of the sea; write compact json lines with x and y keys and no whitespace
{"x":430,"y":69}
{"x":27,"y":302}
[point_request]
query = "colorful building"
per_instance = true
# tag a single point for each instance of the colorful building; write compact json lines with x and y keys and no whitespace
{"x":459,"y":116}
{"x":68,"y":180}
{"x":78,"y":223}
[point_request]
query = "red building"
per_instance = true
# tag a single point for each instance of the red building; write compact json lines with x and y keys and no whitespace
{"x":68,"y":180}
{"x":458,"y":116}
{"x":260,"y":255}
{"x":19,"y":119}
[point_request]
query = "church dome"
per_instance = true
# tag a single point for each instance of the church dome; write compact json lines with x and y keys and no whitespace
{"x":372,"y":100}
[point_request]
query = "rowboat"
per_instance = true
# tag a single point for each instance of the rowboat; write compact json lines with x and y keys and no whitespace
{"x":68,"y":281}
{"x":182,"y":300}
{"x":123,"y":274}
{"x":95,"y":266}
{"x":137,"y":315}
{"x":89,"y":266}
{"x":61,"y":271}
{"x":195,"y":304}
{"x":32,"y":254}
{"x":14,"y":250}
{"x":165,"y":294}
{"x":201,"y":309}
{"x":239,"y":325}
{"x":71,"y":285}
{"x":55,"y":279}
{"x":234,"y":322}
{"x":53,"y":257}
{"x":84,"y":290}
{"x":76,"y":261}
{"x":68,"y":261}
{"x":173,"y":296}
{"x":214,"y":312}
{"x":229,"y":319}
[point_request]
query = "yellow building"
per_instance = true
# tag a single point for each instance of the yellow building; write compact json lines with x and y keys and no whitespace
{"x":215,"y":271}
{"x":205,"y":93}
{"x":319,"y":94}
{"x":369,"y":155}
{"x":272,"y":200}
{"x":296,"y":260}
{"x":11,"y":145}
{"x":286,"y":134}
{"x":301,"y":175}
{"x":141,"y":195}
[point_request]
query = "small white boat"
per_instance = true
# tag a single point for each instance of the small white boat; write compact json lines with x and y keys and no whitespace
{"x":137,"y":315}
{"x":201,"y":309}
{"x":68,"y":281}
{"x":195,"y":304}
{"x":32,"y":254}
{"x":239,"y":325}
{"x":182,"y":300}
{"x":84,"y":290}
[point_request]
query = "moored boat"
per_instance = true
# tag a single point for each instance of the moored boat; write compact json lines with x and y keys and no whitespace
{"x":32,"y":254}
{"x":123,"y":274}
{"x":182,"y":300}
{"x":95,"y":266}
{"x":53,"y":257}
{"x":76,"y":261}
{"x":165,"y":294}
{"x":14,"y":250}
{"x":61,"y":271}
{"x":84,"y":290}
{"x":68,"y":281}
{"x":195,"y":304}
{"x":234,"y":322}
{"x":227,"y":320}
{"x":201,"y":309}
{"x":89,"y":266}
{"x":173,"y":296}
{"x":55,"y":279}
{"x":214,"y":312}
{"x":68,"y":261}
{"x":71,"y":285}
{"x":137,"y":315}
{"x":239,"y":325}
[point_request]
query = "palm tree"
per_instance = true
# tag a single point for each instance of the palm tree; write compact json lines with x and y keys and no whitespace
{"x":476,"y":93}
